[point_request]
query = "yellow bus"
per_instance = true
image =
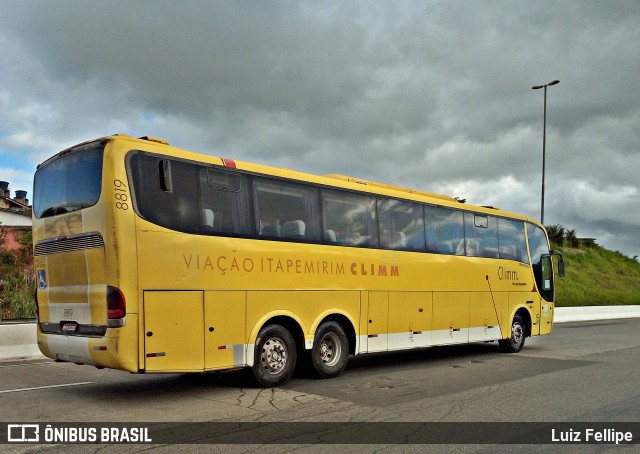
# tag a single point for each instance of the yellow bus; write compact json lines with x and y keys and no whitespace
{"x":153,"y":259}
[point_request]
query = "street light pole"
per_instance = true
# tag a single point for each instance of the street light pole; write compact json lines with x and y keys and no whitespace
{"x":544,"y":140}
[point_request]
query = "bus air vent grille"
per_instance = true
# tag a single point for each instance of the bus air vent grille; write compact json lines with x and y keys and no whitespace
{"x":69,"y":243}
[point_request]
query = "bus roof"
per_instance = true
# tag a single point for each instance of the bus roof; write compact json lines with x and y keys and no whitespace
{"x":336,"y":180}
{"x":377,"y":184}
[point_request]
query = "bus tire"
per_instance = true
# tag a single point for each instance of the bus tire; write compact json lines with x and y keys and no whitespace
{"x":275,"y":356}
{"x":517,"y":336}
{"x":330,"y":351}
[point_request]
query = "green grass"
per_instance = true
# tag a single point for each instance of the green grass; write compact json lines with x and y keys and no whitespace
{"x":597,"y":277}
{"x":18,"y":292}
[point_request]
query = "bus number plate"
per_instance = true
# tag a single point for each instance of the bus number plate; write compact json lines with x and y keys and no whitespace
{"x":69,"y":327}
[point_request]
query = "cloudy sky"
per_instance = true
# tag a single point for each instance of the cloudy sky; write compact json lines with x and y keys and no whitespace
{"x":434,"y":95}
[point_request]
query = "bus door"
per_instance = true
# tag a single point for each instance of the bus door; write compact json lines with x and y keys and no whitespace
{"x":547,"y":295}
{"x":225,"y":329}
{"x":534,"y":303}
{"x":377,"y":322}
{"x":410,"y":319}
{"x":173,"y":331}
{"x":543,"y":299}
{"x":450,"y":318}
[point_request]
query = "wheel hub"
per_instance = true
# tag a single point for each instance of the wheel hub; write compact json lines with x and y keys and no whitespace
{"x":330,"y":349}
{"x":517,"y":333}
{"x":274,"y":356}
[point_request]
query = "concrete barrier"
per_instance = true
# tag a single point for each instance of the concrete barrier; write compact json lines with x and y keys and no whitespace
{"x":586,"y":313}
{"x":18,"y":340}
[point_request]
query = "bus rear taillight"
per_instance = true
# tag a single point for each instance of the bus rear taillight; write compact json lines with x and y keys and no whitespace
{"x":116,"y":307}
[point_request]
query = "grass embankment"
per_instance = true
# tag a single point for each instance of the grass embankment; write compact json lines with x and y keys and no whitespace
{"x":597,"y":277}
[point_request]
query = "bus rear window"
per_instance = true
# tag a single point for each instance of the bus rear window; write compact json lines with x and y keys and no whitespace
{"x":68,"y":183}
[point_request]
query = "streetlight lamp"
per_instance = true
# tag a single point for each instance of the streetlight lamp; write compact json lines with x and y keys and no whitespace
{"x":544,"y":140}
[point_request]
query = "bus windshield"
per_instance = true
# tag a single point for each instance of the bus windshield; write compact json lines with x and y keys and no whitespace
{"x":69,"y":183}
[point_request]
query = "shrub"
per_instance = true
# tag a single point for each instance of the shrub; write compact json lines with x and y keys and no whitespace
{"x":17,"y":284}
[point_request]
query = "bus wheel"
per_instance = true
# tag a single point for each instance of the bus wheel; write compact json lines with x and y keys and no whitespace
{"x":518,"y":334}
{"x":275,"y":356}
{"x":330,"y":351}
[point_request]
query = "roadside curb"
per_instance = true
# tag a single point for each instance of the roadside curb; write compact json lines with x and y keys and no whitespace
{"x":587,"y":313}
{"x":18,"y":340}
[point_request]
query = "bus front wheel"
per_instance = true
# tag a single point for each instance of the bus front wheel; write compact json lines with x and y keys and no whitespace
{"x":330,"y":350}
{"x":275,"y":356}
{"x":516,"y":339}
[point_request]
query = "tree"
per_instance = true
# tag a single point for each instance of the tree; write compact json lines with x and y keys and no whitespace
{"x":571,"y":238}
{"x":556,"y":234}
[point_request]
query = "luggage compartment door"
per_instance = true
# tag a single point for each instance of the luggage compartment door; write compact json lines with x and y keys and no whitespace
{"x":173,"y":331}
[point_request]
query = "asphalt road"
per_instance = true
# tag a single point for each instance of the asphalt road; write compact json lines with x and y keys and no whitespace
{"x":584,"y":373}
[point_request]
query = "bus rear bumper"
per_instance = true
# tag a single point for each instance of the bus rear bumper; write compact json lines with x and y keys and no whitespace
{"x":94,"y":351}
{"x":73,"y":349}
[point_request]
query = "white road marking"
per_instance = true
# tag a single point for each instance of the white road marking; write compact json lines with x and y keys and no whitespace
{"x":46,"y":387}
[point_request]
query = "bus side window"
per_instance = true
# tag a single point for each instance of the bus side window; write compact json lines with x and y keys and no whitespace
{"x":223,"y":202}
{"x":401,"y":225}
{"x":351,"y":217}
{"x":165,"y":192}
{"x":286,"y":210}
{"x":511,"y":240}
{"x":481,"y":235}
{"x":444,"y":230}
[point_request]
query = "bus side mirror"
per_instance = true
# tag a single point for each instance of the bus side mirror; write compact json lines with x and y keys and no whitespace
{"x":560,"y":262}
